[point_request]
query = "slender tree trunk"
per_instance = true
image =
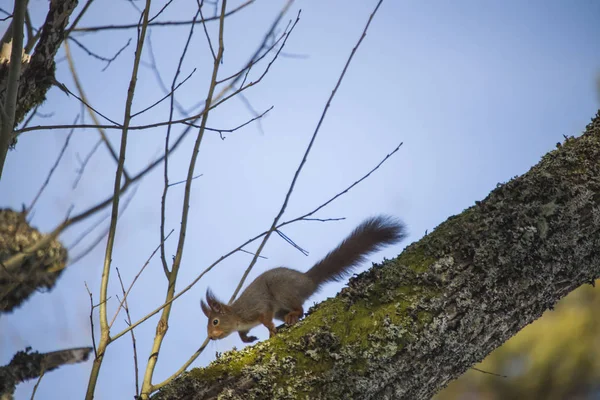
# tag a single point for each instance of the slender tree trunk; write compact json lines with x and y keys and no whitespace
{"x":407,"y":327}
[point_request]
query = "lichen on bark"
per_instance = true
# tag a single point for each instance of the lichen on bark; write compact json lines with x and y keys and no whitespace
{"x":405,"y":328}
{"x":17,"y":284}
{"x":37,"y":75}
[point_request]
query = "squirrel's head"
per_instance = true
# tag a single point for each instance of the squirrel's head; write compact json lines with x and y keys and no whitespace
{"x":221,"y":320}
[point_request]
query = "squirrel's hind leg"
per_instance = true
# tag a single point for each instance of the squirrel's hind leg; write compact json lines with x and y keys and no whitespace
{"x":267,"y":320}
{"x":293,"y":316}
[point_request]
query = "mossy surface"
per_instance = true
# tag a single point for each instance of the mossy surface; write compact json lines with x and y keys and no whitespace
{"x":403,"y":329}
{"x":33,"y":274}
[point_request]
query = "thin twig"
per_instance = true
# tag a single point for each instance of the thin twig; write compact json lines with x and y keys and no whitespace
{"x":308,"y":148}
{"x":42,"y":372}
{"x":259,"y":57}
{"x":51,"y":172}
{"x":67,"y":91}
{"x":183,"y":367}
{"x":107,"y":60}
{"x":100,"y":237}
{"x":161,"y":328}
{"x":83,"y":163}
{"x":219,"y":99}
{"x":290,"y":241}
{"x":247,"y":242}
{"x":90,"y":109}
{"x":135,"y":359}
{"x":85,"y":233}
{"x":160,"y":23}
{"x":248,"y":105}
{"x":167,"y":4}
{"x":251,"y":253}
{"x":166,"y":185}
{"x":78,"y":18}
{"x":212,"y":50}
{"x":91,"y":318}
{"x":221,"y":131}
{"x":180,"y":182}
{"x":152,"y":65}
{"x":170,"y":94}
{"x":104,"y":328}
{"x":16,"y":260}
{"x":303,"y":217}
{"x":488,"y":373}
{"x":324,"y":219}
{"x":136,"y":278}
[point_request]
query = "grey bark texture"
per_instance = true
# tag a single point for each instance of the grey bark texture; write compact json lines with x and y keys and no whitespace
{"x":407,"y":327}
{"x":27,"y":365}
{"x":37,"y":75}
{"x":37,"y":271}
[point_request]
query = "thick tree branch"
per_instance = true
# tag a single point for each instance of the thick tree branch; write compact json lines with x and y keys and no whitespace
{"x":27,"y":365}
{"x":37,"y":76}
{"x":405,"y":328}
{"x":9,"y":100}
{"x":36,"y":271}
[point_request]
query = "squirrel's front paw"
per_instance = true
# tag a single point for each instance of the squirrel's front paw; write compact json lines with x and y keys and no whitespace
{"x":249,"y":339}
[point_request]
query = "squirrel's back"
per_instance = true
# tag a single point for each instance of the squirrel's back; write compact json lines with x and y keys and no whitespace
{"x":371,"y":235}
{"x":282,"y":290}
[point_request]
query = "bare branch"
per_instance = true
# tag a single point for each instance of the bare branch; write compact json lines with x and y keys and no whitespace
{"x":290,"y":241}
{"x":91,"y":318}
{"x":152,"y":65}
{"x":27,"y":365}
{"x":17,"y":259}
{"x":221,"y":97}
{"x":51,"y":172}
{"x":247,"y":242}
{"x":85,"y":161}
{"x":303,"y":217}
{"x":309,"y":147}
{"x":170,"y":94}
{"x":167,"y":4}
{"x":180,"y":182}
{"x":183,"y":367}
{"x":99,"y":57}
{"x":91,"y":111}
{"x":98,"y":239}
{"x":324,"y":220}
{"x":163,"y":200}
{"x":104,"y":327}
{"x":38,"y":381}
{"x":12,"y":86}
{"x":221,"y":131}
{"x":78,"y":18}
{"x":212,"y":50}
{"x":137,"y":276}
{"x":161,"y":329}
{"x":37,"y":76}
{"x":160,"y":23}
{"x":135,"y":359}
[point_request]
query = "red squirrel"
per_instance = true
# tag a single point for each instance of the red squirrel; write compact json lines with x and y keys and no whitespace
{"x":280,"y":292}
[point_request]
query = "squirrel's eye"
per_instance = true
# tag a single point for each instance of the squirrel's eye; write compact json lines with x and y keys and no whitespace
{"x":215,"y":322}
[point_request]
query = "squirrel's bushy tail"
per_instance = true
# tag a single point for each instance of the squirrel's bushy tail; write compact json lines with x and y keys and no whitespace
{"x":372,"y":235}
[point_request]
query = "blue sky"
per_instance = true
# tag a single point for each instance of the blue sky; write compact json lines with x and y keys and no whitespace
{"x":477,"y":91}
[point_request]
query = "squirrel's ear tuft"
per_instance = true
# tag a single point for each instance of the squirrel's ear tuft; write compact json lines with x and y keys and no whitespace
{"x":205,"y":308}
{"x":215,"y":304}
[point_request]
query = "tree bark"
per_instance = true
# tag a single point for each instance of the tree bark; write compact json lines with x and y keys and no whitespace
{"x":37,"y":75}
{"x":27,"y":365}
{"x":38,"y":270}
{"x":407,"y":327}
